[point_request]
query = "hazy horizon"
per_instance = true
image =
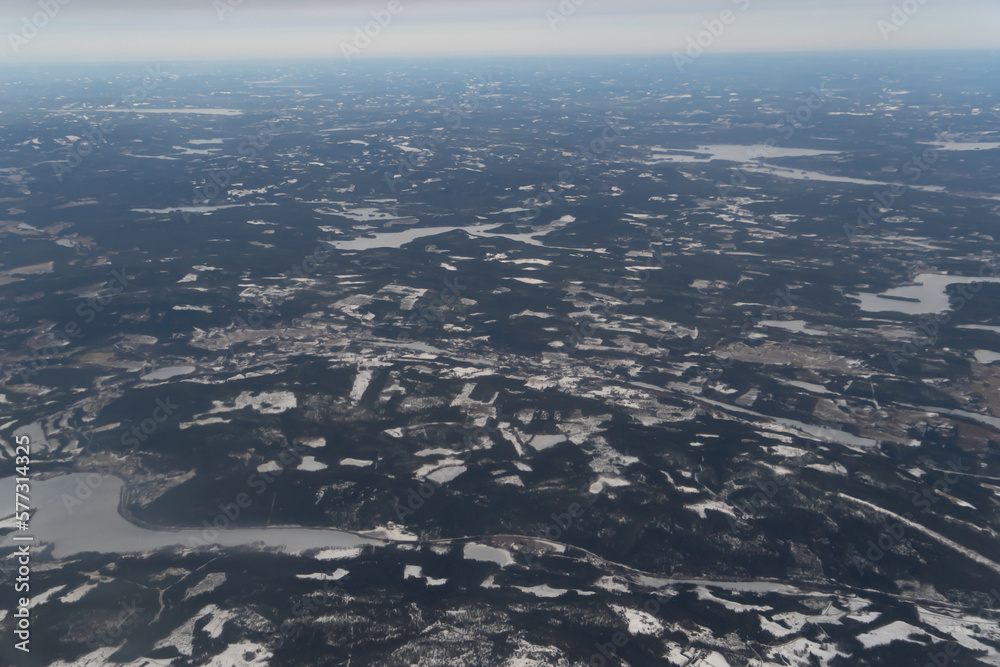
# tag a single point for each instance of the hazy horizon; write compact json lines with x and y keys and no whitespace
{"x":115,"y":31}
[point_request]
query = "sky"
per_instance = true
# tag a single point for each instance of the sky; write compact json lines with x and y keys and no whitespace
{"x":144,"y":30}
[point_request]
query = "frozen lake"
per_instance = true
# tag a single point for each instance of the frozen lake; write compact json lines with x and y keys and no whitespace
{"x":198,"y":209}
{"x":398,"y":239}
{"x":202,"y":112}
{"x":168,"y":372}
{"x":965,"y":145}
{"x":987,"y":356}
{"x":733,"y":153}
{"x":96,"y":525}
{"x":401,"y":238}
{"x":927,"y":295}
{"x":798,"y":326}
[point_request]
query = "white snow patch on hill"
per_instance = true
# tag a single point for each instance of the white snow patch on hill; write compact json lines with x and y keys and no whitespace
{"x":895,"y":631}
{"x":237,"y":655}
{"x":704,"y":505}
{"x":639,"y":622}
{"x":361,"y":382}
{"x":209,"y":583}
{"x":77,"y":594}
{"x":543,"y":591}
{"x":481,"y":552}
{"x":359,"y":463}
{"x":310,"y":464}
